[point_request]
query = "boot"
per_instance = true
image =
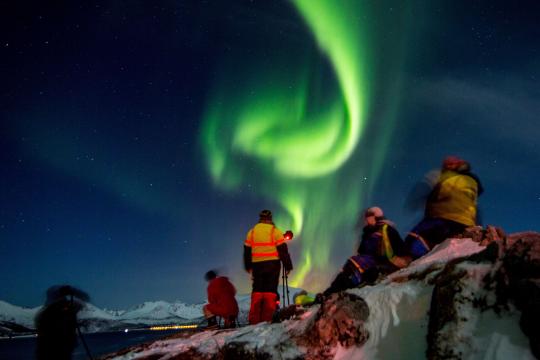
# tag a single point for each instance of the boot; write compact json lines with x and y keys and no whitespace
{"x":212,"y":323}
{"x":319,"y":298}
{"x":229,"y":322}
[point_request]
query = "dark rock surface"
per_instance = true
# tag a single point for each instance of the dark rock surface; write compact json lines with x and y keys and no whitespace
{"x":509,"y":268}
{"x":340,"y":319}
{"x":520,"y":283}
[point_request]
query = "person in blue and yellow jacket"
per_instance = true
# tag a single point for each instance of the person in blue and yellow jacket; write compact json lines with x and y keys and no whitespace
{"x":450,"y":208}
{"x":380,"y":252}
{"x":264,"y":251}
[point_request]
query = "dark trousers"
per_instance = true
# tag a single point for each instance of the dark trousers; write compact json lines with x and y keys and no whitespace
{"x":266,"y":276}
{"x":350,"y":276}
{"x":264,"y":293}
{"x":430,"y":232}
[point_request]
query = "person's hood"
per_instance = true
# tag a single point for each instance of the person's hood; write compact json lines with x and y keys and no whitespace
{"x":64,"y":292}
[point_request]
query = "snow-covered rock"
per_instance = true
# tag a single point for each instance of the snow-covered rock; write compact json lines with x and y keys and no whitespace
{"x":469,"y":298}
{"x":310,"y":337}
{"x":482,"y":301}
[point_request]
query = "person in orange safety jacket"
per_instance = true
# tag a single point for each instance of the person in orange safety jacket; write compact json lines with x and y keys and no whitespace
{"x":264,"y":251}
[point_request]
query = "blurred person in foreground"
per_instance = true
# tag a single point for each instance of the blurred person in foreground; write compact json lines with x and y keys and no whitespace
{"x":56,"y":322}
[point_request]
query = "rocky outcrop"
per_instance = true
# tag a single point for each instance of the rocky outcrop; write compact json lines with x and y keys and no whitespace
{"x":450,"y":321}
{"x":504,"y":278}
{"x":485,"y":297}
{"x":339,"y":321}
{"x":520,"y":283}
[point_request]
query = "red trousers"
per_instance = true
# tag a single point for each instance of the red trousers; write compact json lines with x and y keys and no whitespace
{"x":263,"y":306}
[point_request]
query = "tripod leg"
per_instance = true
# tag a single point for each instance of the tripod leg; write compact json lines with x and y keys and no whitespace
{"x":287,"y":287}
{"x":283,"y":284}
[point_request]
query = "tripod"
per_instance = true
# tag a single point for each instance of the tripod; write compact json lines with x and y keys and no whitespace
{"x":285,"y":285}
{"x":81,"y":336}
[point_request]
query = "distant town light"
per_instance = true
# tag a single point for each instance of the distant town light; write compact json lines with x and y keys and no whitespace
{"x":174,"y":327}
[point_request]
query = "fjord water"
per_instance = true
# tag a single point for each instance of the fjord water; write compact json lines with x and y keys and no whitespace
{"x":23,"y":348}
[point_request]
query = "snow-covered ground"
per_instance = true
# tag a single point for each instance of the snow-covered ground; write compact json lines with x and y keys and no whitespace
{"x":397,"y":323}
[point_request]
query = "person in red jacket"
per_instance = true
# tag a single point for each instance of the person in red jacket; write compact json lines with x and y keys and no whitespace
{"x":221,"y":300}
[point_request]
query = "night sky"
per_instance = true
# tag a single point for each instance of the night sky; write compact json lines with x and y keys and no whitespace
{"x":140,"y":139}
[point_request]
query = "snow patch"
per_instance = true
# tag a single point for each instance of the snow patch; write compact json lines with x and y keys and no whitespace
{"x":438,"y":257}
{"x":397,"y":322}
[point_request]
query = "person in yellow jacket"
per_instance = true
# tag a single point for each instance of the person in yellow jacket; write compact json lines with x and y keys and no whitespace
{"x":302,"y":298}
{"x":264,"y":251}
{"x":450,"y":207}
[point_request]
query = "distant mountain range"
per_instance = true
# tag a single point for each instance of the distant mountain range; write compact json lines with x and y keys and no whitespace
{"x":17,"y":320}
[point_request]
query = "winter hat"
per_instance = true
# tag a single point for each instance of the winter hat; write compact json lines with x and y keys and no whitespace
{"x":455,"y":163}
{"x":210,"y":275}
{"x":265,"y":215}
{"x":374,"y":211}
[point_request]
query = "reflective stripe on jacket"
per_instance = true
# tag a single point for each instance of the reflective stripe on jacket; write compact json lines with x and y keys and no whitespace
{"x":381,"y":241}
{"x":387,"y":249}
{"x":263,"y":240}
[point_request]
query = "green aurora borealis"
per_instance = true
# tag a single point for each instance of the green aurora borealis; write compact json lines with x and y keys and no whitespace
{"x":290,"y":120}
{"x":139,"y":142}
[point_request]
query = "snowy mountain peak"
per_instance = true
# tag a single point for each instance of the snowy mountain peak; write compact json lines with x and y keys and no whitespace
{"x":95,"y":319}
